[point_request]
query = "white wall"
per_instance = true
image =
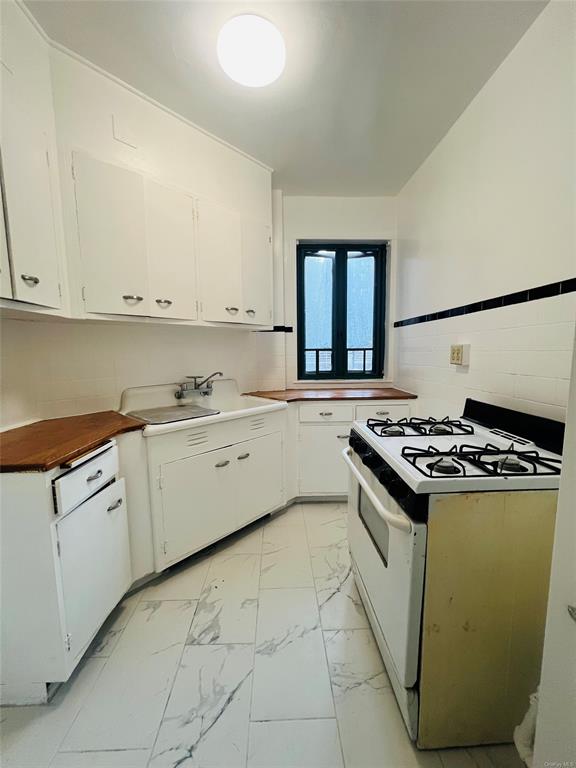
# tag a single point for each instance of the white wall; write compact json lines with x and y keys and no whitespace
{"x":555,"y":726}
{"x":332,"y":218}
{"x":57,"y":368}
{"x":491,"y":211}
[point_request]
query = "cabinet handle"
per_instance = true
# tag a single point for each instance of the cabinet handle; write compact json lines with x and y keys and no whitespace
{"x":251,"y":312}
{"x":163,"y":302}
{"x":30,"y":279}
{"x":382,"y":413}
{"x":95,"y":476}
{"x":114,"y":506}
{"x":132,"y":297}
{"x":222,"y":464}
{"x":326,"y":413}
{"x":572,"y":612}
{"x":243,"y":456}
{"x":342,"y":437}
{"x":232,"y":310}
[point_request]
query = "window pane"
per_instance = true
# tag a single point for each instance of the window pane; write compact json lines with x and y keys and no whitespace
{"x":318,"y":281}
{"x":360,"y":310}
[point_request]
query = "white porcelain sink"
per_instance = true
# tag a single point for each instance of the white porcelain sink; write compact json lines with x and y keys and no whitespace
{"x":167,"y":414}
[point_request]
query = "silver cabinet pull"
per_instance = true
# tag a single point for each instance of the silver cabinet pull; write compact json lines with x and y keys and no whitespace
{"x":95,"y":476}
{"x":232,"y":310}
{"x":342,"y":437}
{"x":222,"y":464}
{"x":132,"y":297}
{"x":114,"y":506}
{"x":572,"y":612}
{"x":30,"y":279}
{"x":382,"y":413}
{"x":243,"y":456}
{"x":326,"y":413}
{"x":251,"y":312}
{"x":163,"y":302}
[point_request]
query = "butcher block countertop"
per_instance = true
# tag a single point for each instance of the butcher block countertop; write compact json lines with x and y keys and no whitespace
{"x":301,"y":395}
{"x":46,"y":444}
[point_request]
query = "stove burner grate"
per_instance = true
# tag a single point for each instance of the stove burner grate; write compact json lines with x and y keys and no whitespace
{"x":416,"y":426}
{"x":473,"y":460}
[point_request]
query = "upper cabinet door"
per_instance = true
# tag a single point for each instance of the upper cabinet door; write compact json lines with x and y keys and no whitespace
{"x":27,"y":139}
{"x":111,"y":229}
{"x":257,"y":272}
{"x":171,"y":258}
{"x":220,"y":262}
{"x":5,"y":281}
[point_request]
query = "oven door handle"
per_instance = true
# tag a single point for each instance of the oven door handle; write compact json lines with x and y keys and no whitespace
{"x":396,"y":521}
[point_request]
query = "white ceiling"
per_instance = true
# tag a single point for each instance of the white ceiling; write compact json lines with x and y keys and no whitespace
{"x":369,"y":87}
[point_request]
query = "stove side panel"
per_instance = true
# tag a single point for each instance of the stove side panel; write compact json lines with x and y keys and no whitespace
{"x":486,"y":590}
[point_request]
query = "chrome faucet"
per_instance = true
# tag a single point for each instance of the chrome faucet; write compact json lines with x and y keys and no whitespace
{"x":203,"y":387}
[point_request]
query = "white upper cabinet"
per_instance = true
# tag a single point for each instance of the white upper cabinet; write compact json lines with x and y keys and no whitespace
{"x":220,"y":262}
{"x":5,"y":281}
{"x":27,"y":139}
{"x":256,"y":272}
{"x":111,"y":229}
{"x":170,"y":247}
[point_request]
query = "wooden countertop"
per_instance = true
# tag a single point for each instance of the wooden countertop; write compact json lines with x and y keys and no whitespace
{"x":46,"y":444}
{"x":301,"y":395}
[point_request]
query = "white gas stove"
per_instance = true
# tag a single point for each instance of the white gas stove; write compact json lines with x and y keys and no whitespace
{"x":419,"y":493}
{"x":455,"y":455}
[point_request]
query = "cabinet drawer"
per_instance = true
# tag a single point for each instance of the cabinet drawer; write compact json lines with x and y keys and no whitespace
{"x":326,"y":412}
{"x":382,"y":411}
{"x":78,"y":484}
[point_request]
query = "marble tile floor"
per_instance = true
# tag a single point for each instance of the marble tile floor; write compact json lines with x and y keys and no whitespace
{"x":256,"y":654}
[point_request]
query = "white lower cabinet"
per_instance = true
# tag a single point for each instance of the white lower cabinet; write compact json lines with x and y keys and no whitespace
{"x":321,"y":468}
{"x":94,"y":563}
{"x":197,"y":502}
{"x":208,"y":496}
{"x":323,"y":434}
{"x":258,"y":477}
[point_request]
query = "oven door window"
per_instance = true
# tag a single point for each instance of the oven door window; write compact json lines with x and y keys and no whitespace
{"x":376,"y":528}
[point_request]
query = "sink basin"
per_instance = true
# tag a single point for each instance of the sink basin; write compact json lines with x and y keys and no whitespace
{"x":170,"y":413}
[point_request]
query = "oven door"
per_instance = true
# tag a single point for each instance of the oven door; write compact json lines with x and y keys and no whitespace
{"x":388,"y":550}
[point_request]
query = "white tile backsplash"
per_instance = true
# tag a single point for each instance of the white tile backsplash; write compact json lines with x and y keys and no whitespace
{"x":52,"y":369}
{"x":520,"y":357}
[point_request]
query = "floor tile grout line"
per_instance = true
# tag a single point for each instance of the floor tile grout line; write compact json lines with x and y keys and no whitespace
{"x":325,"y":651}
{"x":247,"y":756}
{"x":175,"y":675}
{"x":67,"y":730}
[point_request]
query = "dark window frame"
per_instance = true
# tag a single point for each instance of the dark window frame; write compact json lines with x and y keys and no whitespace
{"x":339,"y":311}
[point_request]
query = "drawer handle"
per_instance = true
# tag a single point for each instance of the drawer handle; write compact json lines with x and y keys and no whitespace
{"x":231,"y":310}
{"x":382,"y":413}
{"x":95,"y":476}
{"x":114,"y":506}
{"x":132,"y":297}
{"x":343,"y":437}
{"x":326,"y":413}
{"x":251,"y":312}
{"x":243,"y":456}
{"x":572,"y":612}
{"x":163,"y":302}
{"x":222,"y":464}
{"x":30,"y":279}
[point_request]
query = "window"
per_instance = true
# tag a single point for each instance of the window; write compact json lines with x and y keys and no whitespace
{"x":341,"y":311}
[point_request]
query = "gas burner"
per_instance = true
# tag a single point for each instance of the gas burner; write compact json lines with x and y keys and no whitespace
{"x":445,"y":466}
{"x":441,"y":429}
{"x":394,"y":430}
{"x":511,"y":464}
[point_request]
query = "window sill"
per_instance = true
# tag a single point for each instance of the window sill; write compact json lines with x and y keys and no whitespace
{"x":336,"y":383}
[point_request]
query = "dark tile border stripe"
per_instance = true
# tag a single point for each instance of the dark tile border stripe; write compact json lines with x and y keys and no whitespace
{"x":519,"y":297}
{"x":279,"y":329}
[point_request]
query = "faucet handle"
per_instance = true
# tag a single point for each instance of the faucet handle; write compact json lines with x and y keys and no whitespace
{"x":194,"y":378}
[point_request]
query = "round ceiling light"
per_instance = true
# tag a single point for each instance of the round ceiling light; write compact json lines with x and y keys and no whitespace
{"x":251,"y":50}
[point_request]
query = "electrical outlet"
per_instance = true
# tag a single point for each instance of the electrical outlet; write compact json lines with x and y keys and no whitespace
{"x":459,"y":354}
